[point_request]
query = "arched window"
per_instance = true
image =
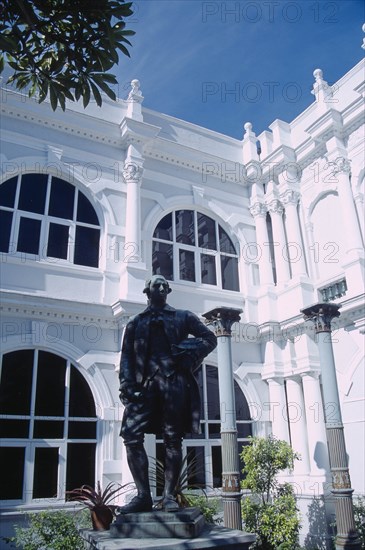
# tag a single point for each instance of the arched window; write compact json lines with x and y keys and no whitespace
{"x":49,"y":218}
{"x":47,"y":427}
{"x":190,"y":246}
{"x":205,"y":448}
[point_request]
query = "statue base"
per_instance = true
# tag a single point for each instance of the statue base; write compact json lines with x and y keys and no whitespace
{"x":185,"y":523}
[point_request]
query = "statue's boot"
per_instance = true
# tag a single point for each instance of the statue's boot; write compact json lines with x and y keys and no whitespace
{"x":138,"y":464}
{"x":173,"y":461}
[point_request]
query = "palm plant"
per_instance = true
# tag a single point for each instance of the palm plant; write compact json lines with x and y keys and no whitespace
{"x":98,"y":502}
{"x":189,"y":470}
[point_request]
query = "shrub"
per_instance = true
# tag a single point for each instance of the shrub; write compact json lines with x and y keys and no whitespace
{"x":271,"y":512}
{"x":51,"y":530}
{"x":209,"y":507}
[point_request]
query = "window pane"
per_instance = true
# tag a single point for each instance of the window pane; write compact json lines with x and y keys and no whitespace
{"x":186,"y":265}
{"x":87,"y":246}
{"x":242,"y":408}
{"x":29,"y":233}
{"x":81,"y":398}
{"x":185,"y":227}
{"x":208,"y":271}
{"x":50,"y":396}
{"x":229,"y":267}
{"x":57,"y":241}
{"x":45,"y":472}
{"x":85,"y":210}
{"x":196,"y":466}
{"x":217,"y":466}
{"x":48,"y":429}
{"x":164,"y":228}
{"x":16,"y":382}
{"x":80,"y":465}
{"x":12,"y":473}
{"x":6,"y":219}
{"x":225,"y":242}
{"x":244,"y":430}
{"x":7,"y":192}
{"x":32,"y":196}
{"x":206,"y":232}
{"x":82,"y":430}
{"x":162,"y":263}
{"x":213,"y":393}
{"x":14,"y":429}
{"x":61,"y":202}
{"x":214,"y":431}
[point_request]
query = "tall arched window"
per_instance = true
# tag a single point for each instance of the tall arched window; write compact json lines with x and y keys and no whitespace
{"x":47,"y":427}
{"x":205,"y":448}
{"x":48,"y":217}
{"x":190,"y":246}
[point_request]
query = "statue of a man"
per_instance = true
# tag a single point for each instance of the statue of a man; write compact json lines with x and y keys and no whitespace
{"x":158,"y":387}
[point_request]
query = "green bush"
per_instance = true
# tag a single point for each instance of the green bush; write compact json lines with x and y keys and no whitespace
{"x":271,"y":512}
{"x":50,"y":530}
{"x":209,"y":507}
{"x":359,"y":514}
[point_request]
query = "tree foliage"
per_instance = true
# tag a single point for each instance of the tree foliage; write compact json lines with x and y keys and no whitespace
{"x":271,"y":511}
{"x":64,"y":48}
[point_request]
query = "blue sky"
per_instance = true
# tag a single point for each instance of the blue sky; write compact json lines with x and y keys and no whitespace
{"x":190,"y":54}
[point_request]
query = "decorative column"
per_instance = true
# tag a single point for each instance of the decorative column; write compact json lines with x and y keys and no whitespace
{"x":342,"y":169}
{"x":317,"y":443}
{"x":280,"y":250}
{"x":279,"y":422}
{"x":132,"y":174}
{"x":258,"y":211}
{"x":222,"y":318}
{"x":321,"y":315}
{"x":290,"y":200}
{"x":297,"y":423}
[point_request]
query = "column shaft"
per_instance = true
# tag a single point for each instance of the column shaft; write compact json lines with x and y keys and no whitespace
{"x":258,"y":210}
{"x":298,"y":424}
{"x":279,"y":242}
{"x":295,"y":244}
{"x":279,"y":423}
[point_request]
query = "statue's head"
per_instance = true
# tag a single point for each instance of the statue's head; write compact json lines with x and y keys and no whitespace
{"x":157,"y":289}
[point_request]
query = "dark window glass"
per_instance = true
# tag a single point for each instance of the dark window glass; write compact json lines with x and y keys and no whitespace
{"x":85,"y":210}
{"x":12,"y":473}
{"x":32,"y":196}
{"x":57,"y":241}
{"x":61,"y":202}
{"x":80,"y":468}
{"x":87,"y":246}
{"x":14,"y":428}
{"x":217,"y":466}
{"x":162,"y":260}
{"x":185,"y":227}
{"x":6,"y":219}
{"x":206,"y":232}
{"x":16,"y":382}
{"x":50,"y":395}
{"x":214,"y":431}
{"x":196,"y":466}
{"x":84,"y":407}
{"x":48,"y":429}
{"x":225,"y":242}
{"x":82,"y":430}
{"x":229,"y":267}
{"x":242,"y":408}
{"x":164,"y":229}
{"x":213,"y":393}
{"x":186,"y":265}
{"x":7,"y":192}
{"x":45,"y":472}
{"x":29,"y":233}
{"x":208,"y":271}
{"x":244,"y":430}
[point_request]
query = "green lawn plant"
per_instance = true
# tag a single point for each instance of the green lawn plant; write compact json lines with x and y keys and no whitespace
{"x":270,"y":511}
{"x":51,"y":530}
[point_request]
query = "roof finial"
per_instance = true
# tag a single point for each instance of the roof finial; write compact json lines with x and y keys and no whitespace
{"x":321,"y":89}
{"x":135,"y":94}
{"x":363,"y":40}
{"x":248,"y":130}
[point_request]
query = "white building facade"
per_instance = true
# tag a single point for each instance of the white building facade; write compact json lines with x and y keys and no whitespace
{"x":94,"y":201}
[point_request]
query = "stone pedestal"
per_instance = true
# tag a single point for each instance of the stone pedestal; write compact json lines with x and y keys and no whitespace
{"x":186,"y":523}
{"x":219,"y":538}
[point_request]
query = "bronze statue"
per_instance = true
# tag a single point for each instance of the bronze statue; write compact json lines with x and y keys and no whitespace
{"x":158,"y":387}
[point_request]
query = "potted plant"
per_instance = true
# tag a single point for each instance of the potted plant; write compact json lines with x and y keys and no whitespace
{"x":98,"y":502}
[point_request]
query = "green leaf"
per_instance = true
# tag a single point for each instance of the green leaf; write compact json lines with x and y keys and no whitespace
{"x":96,"y":94}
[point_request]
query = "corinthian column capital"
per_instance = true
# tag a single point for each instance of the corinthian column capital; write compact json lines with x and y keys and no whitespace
{"x":258,"y":210}
{"x":341,"y":164}
{"x":132,"y":172}
{"x":275,"y":207}
{"x":290,"y":197}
